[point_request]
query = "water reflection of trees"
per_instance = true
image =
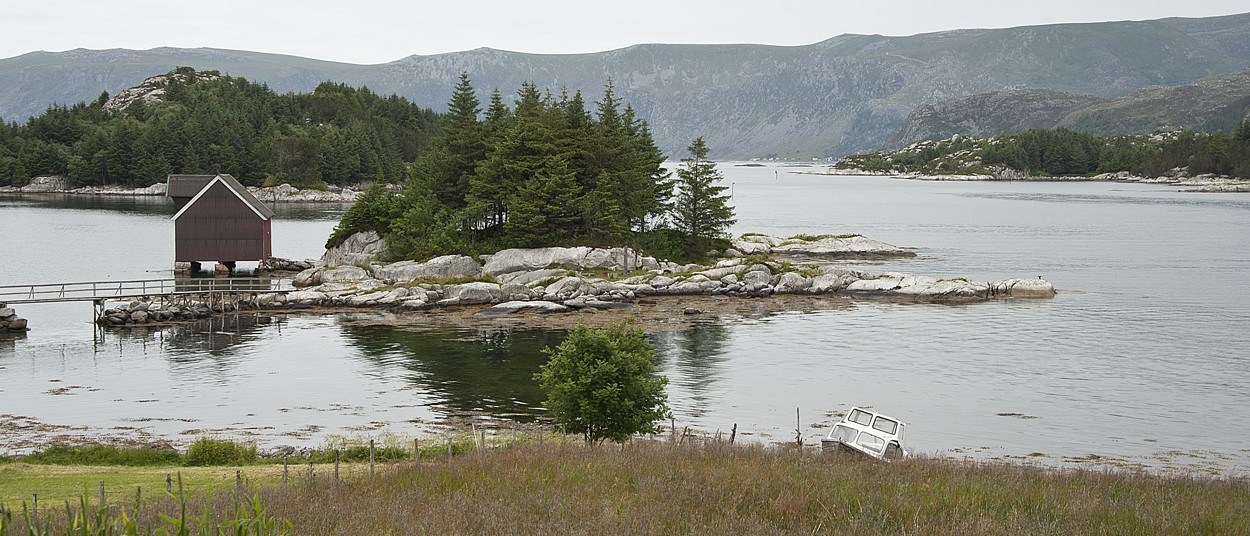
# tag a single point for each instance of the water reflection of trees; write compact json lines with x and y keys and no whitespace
{"x":468,"y":371}
{"x":211,"y":342}
{"x":696,"y":358}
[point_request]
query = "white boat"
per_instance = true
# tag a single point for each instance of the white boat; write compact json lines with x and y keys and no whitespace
{"x":869,"y":433}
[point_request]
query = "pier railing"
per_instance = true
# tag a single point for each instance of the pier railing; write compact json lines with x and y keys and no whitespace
{"x":135,"y":288}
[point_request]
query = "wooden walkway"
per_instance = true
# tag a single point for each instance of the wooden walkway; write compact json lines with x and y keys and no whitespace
{"x":99,"y":291}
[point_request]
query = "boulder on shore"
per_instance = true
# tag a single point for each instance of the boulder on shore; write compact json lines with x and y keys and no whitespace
{"x":514,"y":307}
{"x":444,"y":267}
{"x":578,"y":258}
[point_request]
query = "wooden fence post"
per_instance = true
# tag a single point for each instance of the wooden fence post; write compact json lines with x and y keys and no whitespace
{"x":798,"y":429}
{"x":370,"y":459}
{"x":733,"y":434}
{"x":336,"y":467}
{"x":284,"y":472}
{"x":101,"y":495}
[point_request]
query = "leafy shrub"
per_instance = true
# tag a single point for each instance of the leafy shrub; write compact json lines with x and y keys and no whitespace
{"x":601,"y":383}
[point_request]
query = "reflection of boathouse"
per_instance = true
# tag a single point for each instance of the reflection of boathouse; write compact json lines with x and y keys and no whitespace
{"x":218,"y":220}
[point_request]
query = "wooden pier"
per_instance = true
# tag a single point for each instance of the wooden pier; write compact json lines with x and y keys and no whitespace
{"x":209,"y":291}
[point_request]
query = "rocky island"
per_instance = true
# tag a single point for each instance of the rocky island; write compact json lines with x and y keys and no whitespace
{"x":586,"y":279}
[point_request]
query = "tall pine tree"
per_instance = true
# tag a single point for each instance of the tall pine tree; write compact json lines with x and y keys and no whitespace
{"x":701,"y":211}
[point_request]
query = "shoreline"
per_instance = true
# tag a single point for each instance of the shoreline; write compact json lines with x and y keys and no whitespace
{"x":1202,"y":184}
{"x":283,"y":193}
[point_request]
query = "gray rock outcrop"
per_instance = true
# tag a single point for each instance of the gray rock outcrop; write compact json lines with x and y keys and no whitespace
{"x":444,"y":267}
{"x":362,"y":248}
{"x":578,"y":258}
{"x":827,"y":246}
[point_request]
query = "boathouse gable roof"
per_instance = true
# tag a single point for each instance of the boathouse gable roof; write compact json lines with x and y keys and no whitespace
{"x":180,"y":184}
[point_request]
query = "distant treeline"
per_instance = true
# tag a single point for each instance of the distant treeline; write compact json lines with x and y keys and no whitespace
{"x":207,"y":123}
{"x":1062,"y":152}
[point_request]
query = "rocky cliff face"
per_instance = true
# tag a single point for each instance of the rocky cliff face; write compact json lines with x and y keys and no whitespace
{"x":1218,"y":102}
{"x":843,"y":95}
{"x":152,"y":89}
{"x":990,"y":114}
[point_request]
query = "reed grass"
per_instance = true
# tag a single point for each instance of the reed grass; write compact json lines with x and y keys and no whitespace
{"x":661,"y":488}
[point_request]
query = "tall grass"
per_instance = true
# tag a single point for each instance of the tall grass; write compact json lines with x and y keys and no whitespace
{"x":246,"y":517}
{"x":105,"y":455}
{"x":656,"y":488}
{"x":662,"y":489}
{"x":208,"y":451}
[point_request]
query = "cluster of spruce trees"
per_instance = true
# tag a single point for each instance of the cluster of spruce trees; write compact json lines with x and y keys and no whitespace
{"x":1062,"y":152}
{"x":544,"y":172}
{"x":207,"y":123}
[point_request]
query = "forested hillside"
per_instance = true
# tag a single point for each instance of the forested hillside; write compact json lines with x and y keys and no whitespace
{"x":189,"y":122}
{"x":1062,"y":152}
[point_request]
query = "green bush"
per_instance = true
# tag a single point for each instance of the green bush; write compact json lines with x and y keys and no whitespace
{"x":208,"y":451}
{"x":601,"y":383}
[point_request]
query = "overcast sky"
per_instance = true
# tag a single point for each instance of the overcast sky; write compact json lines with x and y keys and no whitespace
{"x":377,"y":32}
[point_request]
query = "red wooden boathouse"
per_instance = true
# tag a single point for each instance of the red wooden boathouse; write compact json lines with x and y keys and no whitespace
{"x":218,"y":220}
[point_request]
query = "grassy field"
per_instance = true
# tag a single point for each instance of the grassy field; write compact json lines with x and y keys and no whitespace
{"x":657,"y":488}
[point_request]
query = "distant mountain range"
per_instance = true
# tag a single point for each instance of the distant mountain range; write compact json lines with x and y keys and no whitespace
{"x":846,"y":94}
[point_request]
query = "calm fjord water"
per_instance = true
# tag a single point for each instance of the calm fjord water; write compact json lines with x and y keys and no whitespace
{"x":1142,"y":357}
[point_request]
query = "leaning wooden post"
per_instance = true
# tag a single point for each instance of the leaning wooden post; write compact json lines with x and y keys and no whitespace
{"x":798,"y":428}
{"x":370,"y":459}
{"x":416,"y":450}
{"x":733,"y":434}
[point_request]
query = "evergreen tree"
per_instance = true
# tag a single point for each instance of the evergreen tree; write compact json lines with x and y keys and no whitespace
{"x":544,"y":210}
{"x":1243,"y":132}
{"x":449,"y":171}
{"x":702,"y":211}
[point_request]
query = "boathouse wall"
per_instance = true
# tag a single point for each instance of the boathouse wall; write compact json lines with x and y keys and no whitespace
{"x":220,"y":226}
